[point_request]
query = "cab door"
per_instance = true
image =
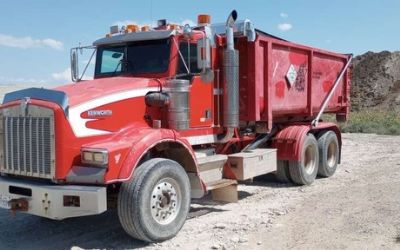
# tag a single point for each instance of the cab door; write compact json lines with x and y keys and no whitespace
{"x":201,"y":96}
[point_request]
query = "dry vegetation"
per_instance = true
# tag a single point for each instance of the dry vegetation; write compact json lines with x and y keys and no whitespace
{"x":370,"y":121}
{"x":375,"y":95}
{"x":373,"y":121}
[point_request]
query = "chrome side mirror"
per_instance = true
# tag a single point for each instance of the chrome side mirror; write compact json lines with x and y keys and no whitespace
{"x":187,"y":31}
{"x":74,"y":66}
{"x":204,"y":54}
{"x":204,"y":59}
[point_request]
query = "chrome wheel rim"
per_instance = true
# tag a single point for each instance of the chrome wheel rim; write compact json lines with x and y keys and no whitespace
{"x":309,"y":159}
{"x":331,"y":154}
{"x":165,"y":201}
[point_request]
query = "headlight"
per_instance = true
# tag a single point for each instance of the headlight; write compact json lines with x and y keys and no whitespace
{"x":97,"y":157}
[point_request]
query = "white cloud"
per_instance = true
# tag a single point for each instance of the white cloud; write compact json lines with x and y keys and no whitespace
{"x":65,"y":76}
{"x":62,"y":76}
{"x":285,"y":27}
{"x":29,"y":42}
{"x":4,"y":80}
{"x":51,"y":43}
{"x":284,"y":15}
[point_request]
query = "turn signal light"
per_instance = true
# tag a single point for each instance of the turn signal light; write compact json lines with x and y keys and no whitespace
{"x":96,"y":157}
{"x":145,"y":28}
{"x":132,"y":28}
{"x":173,"y":26}
{"x":203,"y":19}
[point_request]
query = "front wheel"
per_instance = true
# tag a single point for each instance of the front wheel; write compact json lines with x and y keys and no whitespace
{"x":154,"y":204}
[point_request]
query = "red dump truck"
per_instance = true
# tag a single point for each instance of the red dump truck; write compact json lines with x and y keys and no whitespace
{"x":173,"y":112}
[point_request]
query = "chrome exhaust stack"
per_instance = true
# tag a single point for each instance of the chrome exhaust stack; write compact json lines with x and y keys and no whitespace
{"x":231,"y":81}
{"x":230,"y":24}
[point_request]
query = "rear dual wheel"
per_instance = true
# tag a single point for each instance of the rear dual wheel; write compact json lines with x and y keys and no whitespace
{"x":282,"y":172}
{"x":328,"y":147}
{"x":318,"y":158}
{"x":305,"y":171}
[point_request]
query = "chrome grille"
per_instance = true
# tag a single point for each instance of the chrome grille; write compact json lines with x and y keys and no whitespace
{"x":28,"y":142}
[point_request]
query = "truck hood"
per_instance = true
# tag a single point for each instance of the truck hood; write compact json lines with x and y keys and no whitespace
{"x":85,"y":91}
{"x":76,"y":99}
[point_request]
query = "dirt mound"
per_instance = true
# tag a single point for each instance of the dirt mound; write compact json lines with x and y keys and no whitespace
{"x":376,"y":81}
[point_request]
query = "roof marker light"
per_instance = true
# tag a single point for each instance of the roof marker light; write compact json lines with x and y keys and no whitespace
{"x":173,"y":26}
{"x":132,"y":28}
{"x":203,"y":19}
{"x":114,"y":29}
{"x":161,"y":22}
{"x":145,"y":28}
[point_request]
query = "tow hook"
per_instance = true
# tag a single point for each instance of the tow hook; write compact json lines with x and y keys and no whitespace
{"x":18,"y":205}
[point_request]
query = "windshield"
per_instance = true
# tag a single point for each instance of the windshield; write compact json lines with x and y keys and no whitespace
{"x":135,"y":58}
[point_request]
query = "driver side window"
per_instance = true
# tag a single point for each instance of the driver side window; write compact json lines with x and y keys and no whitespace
{"x":191,"y":62}
{"x":111,"y":60}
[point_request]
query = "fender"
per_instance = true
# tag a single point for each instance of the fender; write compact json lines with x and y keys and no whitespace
{"x":125,"y":147}
{"x":140,"y":145}
{"x":289,"y":141}
{"x":142,"y":140}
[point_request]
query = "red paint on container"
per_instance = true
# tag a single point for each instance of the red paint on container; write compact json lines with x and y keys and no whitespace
{"x":327,"y":85}
{"x":297,"y":58}
{"x":280,"y":89}
{"x":264,"y":67}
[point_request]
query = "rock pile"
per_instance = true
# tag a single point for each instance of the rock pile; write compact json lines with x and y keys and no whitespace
{"x":376,"y":81}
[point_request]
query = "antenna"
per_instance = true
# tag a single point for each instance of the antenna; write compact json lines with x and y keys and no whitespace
{"x":151,"y":12}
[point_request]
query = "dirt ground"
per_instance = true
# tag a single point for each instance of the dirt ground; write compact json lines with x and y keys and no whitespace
{"x":358,"y":208}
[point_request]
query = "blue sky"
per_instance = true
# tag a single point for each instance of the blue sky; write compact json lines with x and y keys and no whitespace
{"x":35,"y":36}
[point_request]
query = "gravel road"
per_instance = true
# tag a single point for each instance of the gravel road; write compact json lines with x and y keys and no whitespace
{"x":356,"y":208}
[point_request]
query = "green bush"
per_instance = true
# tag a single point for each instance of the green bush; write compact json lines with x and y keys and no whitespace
{"x":371,"y":121}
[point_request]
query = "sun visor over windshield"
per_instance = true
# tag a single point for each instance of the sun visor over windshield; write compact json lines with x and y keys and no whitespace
{"x":132,"y":37}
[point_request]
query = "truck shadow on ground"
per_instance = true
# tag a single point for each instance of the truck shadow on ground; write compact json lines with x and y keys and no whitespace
{"x":99,"y":231}
{"x":91,"y":232}
{"x":267,"y":180}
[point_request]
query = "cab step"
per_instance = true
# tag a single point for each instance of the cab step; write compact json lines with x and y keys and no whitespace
{"x":211,"y":167}
{"x":211,"y":172}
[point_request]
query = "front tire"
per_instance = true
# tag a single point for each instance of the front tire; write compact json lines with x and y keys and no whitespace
{"x":153,"y":205}
{"x":305,"y":171}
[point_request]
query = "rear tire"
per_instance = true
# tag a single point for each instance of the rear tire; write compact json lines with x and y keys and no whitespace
{"x":328,"y":147}
{"x":282,"y":172}
{"x":305,"y":171}
{"x":153,"y":205}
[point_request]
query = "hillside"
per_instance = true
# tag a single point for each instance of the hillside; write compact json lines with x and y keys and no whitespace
{"x":376,"y":81}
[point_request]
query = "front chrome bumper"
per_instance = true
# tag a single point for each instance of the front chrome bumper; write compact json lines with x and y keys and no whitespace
{"x":54,"y":201}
